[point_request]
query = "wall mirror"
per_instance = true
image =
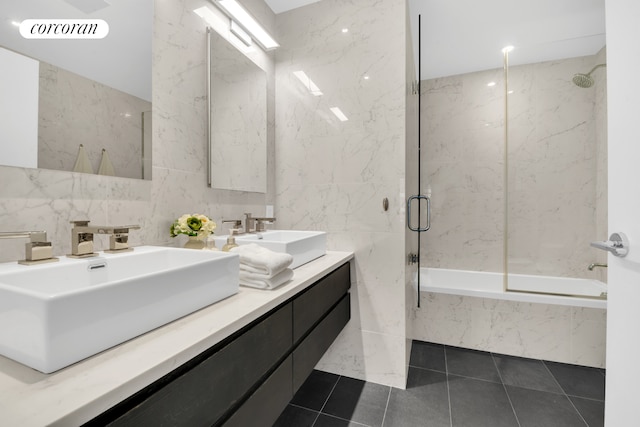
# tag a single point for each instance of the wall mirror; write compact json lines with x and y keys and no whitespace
{"x":238,"y":119}
{"x":78,"y":105}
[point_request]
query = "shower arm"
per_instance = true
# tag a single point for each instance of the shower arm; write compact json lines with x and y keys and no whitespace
{"x":595,"y":68}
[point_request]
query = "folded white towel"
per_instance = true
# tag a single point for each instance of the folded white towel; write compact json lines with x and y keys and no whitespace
{"x":262,"y":281}
{"x":256,"y":259}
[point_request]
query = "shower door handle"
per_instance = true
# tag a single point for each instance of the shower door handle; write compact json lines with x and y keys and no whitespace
{"x":418,"y":228}
{"x":618,"y":245}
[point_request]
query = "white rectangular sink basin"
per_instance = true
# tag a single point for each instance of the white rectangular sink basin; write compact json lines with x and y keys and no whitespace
{"x":53,"y":315}
{"x":304,"y":246}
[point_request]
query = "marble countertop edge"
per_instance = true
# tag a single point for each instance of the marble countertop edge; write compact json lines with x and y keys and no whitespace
{"x":80,"y":392}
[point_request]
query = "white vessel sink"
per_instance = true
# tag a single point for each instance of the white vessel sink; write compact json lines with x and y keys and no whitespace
{"x":53,"y":315}
{"x":304,"y":246}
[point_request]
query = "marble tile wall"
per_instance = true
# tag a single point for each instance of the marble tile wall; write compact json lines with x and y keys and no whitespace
{"x":43,"y":199}
{"x":555,"y":174}
{"x":333,"y":175}
{"x":564,"y":334}
{"x":114,"y":124}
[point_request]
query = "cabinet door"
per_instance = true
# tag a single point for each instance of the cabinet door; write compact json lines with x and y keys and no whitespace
{"x":265,"y":405}
{"x":309,"y":307}
{"x":311,"y":349}
{"x":212,"y":388}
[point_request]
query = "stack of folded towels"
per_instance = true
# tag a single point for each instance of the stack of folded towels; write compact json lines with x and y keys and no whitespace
{"x":262,"y":268}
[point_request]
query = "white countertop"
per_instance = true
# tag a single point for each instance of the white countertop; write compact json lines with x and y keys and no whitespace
{"x":78,"y":393}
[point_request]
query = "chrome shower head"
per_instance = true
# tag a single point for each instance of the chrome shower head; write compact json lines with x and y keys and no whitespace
{"x":585,"y":80}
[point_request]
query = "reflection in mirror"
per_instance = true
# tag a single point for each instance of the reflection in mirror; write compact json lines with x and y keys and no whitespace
{"x":78,"y":105}
{"x":238,"y":131}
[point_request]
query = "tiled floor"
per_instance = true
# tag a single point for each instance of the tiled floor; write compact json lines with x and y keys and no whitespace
{"x":454,"y":387}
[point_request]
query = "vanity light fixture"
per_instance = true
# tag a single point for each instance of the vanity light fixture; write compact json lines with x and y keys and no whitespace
{"x":308,"y":83}
{"x":339,"y":114}
{"x":242,"y":17}
{"x":240,"y":33}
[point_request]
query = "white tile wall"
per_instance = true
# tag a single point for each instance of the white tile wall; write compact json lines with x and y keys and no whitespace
{"x":333,"y":175}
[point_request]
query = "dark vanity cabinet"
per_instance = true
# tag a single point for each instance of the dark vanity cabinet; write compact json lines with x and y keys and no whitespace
{"x":248,"y":378}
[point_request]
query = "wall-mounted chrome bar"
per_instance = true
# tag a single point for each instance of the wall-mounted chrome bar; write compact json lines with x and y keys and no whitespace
{"x":418,"y":228}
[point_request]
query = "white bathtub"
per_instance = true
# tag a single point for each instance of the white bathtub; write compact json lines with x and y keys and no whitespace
{"x":525,"y":288}
{"x":470,"y":309}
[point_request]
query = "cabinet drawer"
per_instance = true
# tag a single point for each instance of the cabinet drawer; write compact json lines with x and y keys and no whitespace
{"x":311,"y":349}
{"x":309,"y":307}
{"x":265,"y":405}
{"x":206,"y":392}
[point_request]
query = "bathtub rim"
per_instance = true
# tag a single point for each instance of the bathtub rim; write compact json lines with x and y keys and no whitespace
{"x":509,"y":295}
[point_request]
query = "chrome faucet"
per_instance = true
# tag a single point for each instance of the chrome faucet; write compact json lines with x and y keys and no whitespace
{"x":37,"y":251}
{"x":595,"y":264}
{"x":82,"y":238}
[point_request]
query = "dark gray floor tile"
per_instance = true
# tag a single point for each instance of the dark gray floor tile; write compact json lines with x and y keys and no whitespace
{"x":359,"y":401}
{"x":329,"y":421}
{"x":471,"y":363}
{"x":424,"y":403}
{"x":526,"y":373}
{"x":296,"y":416}
{"x":315,"y":390}
{"x":579,"y":380}
{"x":478,"y":403}
{"x":543,"y":409}
{"x":591,"y":410}
{"x":428,"y":356}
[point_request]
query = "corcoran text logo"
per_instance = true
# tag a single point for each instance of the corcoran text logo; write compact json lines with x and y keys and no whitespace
{"x":64,"y":29}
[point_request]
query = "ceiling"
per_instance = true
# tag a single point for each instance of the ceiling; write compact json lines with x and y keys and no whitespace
{"x":461,"y":36}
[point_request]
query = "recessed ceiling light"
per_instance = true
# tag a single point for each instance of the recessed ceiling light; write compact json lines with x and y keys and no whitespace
{"x":345,"y":30}
{"x":366,"y":77}
{"x":491,"y":84}
{"x":507,"y":49}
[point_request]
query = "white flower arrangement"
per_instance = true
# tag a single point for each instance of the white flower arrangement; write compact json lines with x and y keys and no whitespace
{"x":194,"y":225}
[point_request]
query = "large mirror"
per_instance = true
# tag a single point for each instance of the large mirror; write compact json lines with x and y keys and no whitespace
{"x":77,"y":105}
{"x":238,"y":127}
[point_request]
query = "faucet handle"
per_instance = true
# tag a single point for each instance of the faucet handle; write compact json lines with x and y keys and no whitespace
{"x":37,"y":251}
{"x":236,"y":227}
{"x":261,"y":221}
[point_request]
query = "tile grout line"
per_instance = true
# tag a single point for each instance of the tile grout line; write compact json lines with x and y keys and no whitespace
{"x":446,"y":375}
{"x":565,"y":393}
{"x":504,"y":386}
{"x":325,"y":401}
{"x":384,"y":416}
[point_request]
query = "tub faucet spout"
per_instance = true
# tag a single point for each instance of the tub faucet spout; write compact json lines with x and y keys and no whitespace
{"x":595,"y":264}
